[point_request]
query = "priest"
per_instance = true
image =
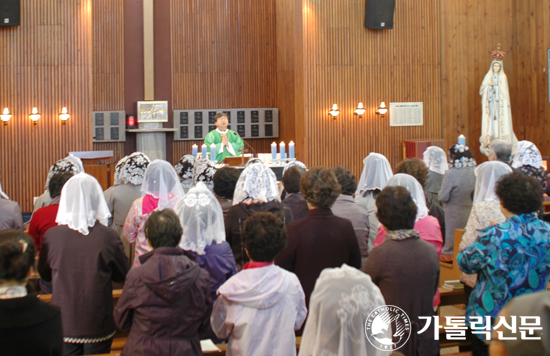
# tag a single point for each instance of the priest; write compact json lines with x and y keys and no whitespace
{"x":228,"y":142}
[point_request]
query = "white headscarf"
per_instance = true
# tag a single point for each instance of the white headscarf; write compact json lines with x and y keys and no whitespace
{"x":436,"y":160}
{"x":82,"y":204}
{"x":76,"y":161}
{"x":487,"y":176}
{"x":70,"y":163}
{"x":201,"y":217}
{"x":256,"y":183}
{"x":527,"y":154}
{"x":2,"y":194}
{"x":340,"y":304}
{"x":417,"y":193}
{"x":161,"y":181}
{"x":131,"y":169}
{"x":376,"y":172}
{"x":293,"y":163}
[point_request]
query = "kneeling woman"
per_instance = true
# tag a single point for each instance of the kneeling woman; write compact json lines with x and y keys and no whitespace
{"x":167,"y":298}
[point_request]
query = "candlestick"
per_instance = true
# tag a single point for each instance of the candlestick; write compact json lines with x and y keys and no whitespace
{"x":213,"y":152}
{"x":282,"y":150}
{"x":203,"y":150}
{"x":291,"y":150}
{"x":273,"y":151}
{"x":461,"y":140}
{"x":195,"y":149}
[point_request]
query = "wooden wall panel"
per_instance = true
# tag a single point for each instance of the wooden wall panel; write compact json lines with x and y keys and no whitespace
{"x":223,"y":56}
{"x":108,"y":64}
{"x":470,"y":30}
{"x":529,"y":79}
{"x":46,"y":62}
{"x":345,"y":63}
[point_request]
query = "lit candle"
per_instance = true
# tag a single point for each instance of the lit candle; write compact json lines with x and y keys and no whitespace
{"x":195,"y":150}
{"x":213,"y":152}
{"x":203,"y":150}
{"x":461,"y":140}
{"x":291,"y":150}
{"x":282,"y":150}
{"x":273,"y":151}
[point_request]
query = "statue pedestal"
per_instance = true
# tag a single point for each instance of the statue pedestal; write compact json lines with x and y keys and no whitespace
{"x":151,"y":139}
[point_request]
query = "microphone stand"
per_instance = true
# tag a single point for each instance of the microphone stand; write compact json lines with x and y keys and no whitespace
{"x":248,"y":145}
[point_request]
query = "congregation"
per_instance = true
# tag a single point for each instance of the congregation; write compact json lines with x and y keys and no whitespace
{"x":210,"y":252}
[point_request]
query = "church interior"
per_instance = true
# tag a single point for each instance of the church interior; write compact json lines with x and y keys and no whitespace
{"x":298,"y":56}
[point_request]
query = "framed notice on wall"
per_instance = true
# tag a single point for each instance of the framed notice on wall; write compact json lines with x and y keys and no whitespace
{"x":406,"y":114}
{"x":152,"y":111}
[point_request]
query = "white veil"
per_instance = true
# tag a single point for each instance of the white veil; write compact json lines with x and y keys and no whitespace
{"x":82,"y":204}
{"x":2,"y":194}
{"x":436,"y":160}
{"x":293,"y":163}
{"x":201,"y":217}
{"x":256,"y":183}
{"x":339,"y":306}
{"x":161,"y":181}
{"x":527,"y":154}
{"x":416,"y":190}
{"x":487,"y":176}
{"x":376,"y":172}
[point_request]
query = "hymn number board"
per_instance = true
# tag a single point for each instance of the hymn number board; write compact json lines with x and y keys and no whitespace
{"x":248,"y":123}
{"x":109,"y":126}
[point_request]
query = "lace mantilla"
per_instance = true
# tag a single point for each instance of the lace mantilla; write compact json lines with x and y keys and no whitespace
{"x":133,"y":169}
{"x":204,"y":171}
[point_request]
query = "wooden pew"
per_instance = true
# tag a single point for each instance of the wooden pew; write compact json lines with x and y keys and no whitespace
{"x":121,"y":336}
{"x":450,"y":271}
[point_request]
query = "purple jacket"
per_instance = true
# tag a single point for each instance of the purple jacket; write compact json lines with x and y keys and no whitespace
{"x":219,"y":262}
{"x":164,"y":303}
{"x":297,"y":204}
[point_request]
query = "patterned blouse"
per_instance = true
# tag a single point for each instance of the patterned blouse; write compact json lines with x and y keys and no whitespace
{"x":134,"y":227}
{"x":511,"y":259}
{"x":538,"y":173}
{"x":481,"y":216}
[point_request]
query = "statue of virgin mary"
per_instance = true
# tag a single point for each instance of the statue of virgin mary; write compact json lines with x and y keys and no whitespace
{"x":496,"y":115}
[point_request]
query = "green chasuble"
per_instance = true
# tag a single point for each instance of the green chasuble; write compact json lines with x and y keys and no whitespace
{"x":215,"y":137}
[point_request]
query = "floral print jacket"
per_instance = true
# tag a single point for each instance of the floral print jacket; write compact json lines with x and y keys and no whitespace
{"x":134,"y":227}
{"x":511,"y":259}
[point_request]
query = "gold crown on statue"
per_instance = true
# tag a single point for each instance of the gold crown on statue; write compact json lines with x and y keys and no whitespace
{"x":498,"y":54}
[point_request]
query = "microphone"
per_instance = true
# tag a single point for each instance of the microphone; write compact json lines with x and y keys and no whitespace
{"x":246,"y":143}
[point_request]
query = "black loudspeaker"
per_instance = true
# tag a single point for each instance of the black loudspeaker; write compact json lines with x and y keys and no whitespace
{"x":10,"y":12}
{"x":379,"y":14}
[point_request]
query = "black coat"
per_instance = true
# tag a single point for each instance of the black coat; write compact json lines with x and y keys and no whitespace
{"x":28,"y":326}
{"x":318,"y":241}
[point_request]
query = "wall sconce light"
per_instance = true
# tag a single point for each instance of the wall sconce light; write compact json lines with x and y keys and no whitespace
{"x":382,"y":110}
{"x":360,"y":110}
{"x":6,"y":116}
{"x":334,"y":111}
{"x":34,"y":116}
{"x":64,"y":116}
